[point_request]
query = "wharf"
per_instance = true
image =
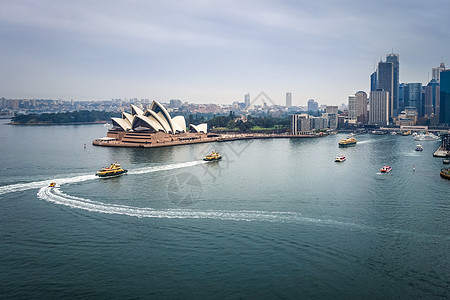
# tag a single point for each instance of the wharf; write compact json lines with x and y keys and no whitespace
{"x":156,"y":140}
{"x":440,"y":152}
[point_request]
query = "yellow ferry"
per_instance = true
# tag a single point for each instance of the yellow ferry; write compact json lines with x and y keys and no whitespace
{"x":212,"y":157}
{"x":347,"y":142}
{"x":114,"y":170}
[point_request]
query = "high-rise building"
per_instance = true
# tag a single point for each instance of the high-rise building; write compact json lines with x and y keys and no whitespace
{"x":435,"y":72}
{"x":373,"y":81}
{"x":247,"y":100}
{"x":332,"y":114}
{"x":394,"y":59}
{"x":386,"y":83}
{"x":361,"y":107}
{"x":313,"y":105}
{"x":432,"y":97}
{"x":412,"y":97}
{"x":379,"y":107}
{"x":444,"y":112}
{"x":288,"y":100}
{"x":300,"y":124}
{"x":352,"y":108}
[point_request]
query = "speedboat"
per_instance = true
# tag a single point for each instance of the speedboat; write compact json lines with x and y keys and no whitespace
{"x":212,"y":157}
{"x":114,"y":170}
{"x":385,"y":169}
{"x":426,"y":137}
{"x":419,"y":148}
{"x":339,"y":158}
{"x":52,"y":184}
{"x":347,"y":142}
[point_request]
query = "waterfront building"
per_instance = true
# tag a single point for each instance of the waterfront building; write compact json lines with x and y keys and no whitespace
{"x":407,"y":117}
{"x":332,"y":114}
{"x":361,"y":107}
{"x":319,"y":122}
{"x":379,"y":107}
{"x":313,"y":105}
{"x":288,"y":100}
{"x":432,"y":97}
{"x":300,"y":124}
{"x":394,"y":59}
{"x":386,"y":82}
{"x":444,"y":111}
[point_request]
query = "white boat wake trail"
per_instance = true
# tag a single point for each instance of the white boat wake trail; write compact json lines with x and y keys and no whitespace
{"x":85,"y":177}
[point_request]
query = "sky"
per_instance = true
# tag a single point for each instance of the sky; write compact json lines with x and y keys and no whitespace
{"x":214,"y":51}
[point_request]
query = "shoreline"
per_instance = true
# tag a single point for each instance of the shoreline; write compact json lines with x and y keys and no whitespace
{"x":57,"y":124}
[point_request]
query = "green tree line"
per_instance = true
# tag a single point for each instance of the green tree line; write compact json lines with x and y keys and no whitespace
{"x":82,"y":116}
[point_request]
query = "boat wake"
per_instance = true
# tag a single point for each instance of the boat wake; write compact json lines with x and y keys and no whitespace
{"x":85,"y":177}
{"x":55,"y":195}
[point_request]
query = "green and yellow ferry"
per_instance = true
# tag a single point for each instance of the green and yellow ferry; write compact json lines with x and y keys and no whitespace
{"x":114,"y":170}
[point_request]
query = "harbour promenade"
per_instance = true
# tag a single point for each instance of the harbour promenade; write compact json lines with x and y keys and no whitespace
{"x":159,"y":139}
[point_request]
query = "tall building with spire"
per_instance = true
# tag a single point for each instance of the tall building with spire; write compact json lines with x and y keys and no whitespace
{"x":394,"y":59}
{"x":436,"y":72}
{"x":386,"y":83}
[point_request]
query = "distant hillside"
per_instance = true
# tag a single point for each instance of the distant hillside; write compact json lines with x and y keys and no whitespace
{"x":75,"y":117}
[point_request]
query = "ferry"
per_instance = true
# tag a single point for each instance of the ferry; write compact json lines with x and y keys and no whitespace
{"x":212,"y":157}
{"x":419,"y":148}
{"x":339,"y":158}
{"x":385,"y":169}
{"x":445,"y":173}
{"x":52,"y":184}
{"x":347,"y":142}
{"x":114,"y":170}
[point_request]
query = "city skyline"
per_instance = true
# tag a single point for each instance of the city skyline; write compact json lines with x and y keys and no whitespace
{"x":213,"y":52}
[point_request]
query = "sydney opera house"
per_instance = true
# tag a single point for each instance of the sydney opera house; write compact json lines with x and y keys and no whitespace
{"x":153,"y":127}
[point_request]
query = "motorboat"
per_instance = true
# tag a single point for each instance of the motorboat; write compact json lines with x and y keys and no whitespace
{"x":347,"y":142}
{"x":114,"y":170}
{"x":426,"y":137}
{"x":339,"y":158}
{"x":213,"y":156}
{"x":385,"y":169}
{"x":52,"y":184}
{"x":419,"y":148}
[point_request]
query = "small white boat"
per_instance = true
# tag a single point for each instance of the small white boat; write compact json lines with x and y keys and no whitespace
{"x":419,"y":148}
{"x":339,"y":158}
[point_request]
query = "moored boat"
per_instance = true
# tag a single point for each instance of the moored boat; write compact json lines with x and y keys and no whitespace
{"x":426,"y":137}
{"x":347,"y":142}
{"x":385,"y":169}
{"x":445,"y":173}
{"x":212,"y":157}
{"x":114,"y":170}
{"x":419,"y":148}
{"x":339,"y":158}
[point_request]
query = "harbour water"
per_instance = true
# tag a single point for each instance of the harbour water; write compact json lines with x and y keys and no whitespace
{"x":274,"y":219}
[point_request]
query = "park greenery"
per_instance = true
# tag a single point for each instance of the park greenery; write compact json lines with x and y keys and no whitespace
{"x":82,"y":116}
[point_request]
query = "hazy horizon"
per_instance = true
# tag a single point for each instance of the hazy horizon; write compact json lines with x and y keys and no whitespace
{"x":213,"y":51}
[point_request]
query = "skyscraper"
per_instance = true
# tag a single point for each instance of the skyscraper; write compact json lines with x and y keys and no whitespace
{"x":444,"y":113}
{"x":361,"y":107}
{"x":435,"y":72}
{"x":352,"y":108}
{"x":373,"y":81}
{"x":412,"y":97}
{"x":386,"y":83}
{"x":379,"y":107}
{"x":394,"y":59}
{"x":288,"y":100}
{"x":432,"y":96}
{"x":247,"y":100}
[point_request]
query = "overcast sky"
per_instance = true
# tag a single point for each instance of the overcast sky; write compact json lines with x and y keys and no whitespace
{"x":214,"y":51}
